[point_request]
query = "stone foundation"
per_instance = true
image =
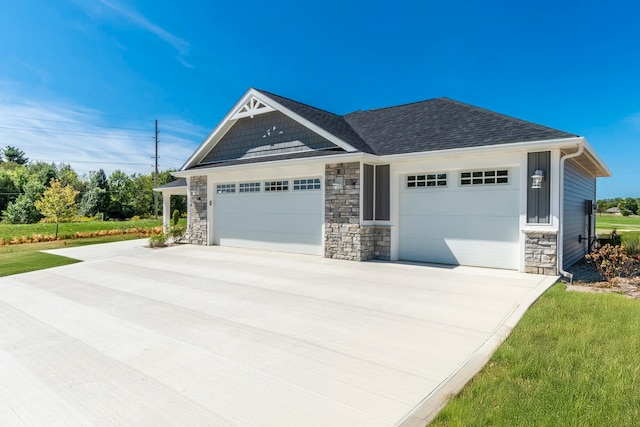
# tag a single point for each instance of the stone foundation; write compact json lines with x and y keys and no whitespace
{"x":344,"y":237}
{"x":197,"y":227}
{"x":541,"y":253}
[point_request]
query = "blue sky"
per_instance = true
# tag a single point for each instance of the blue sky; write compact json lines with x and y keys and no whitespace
{"x":81,"y":81}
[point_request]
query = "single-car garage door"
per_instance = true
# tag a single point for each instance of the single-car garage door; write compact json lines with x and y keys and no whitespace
{"x":464,"y":218}
{"x":283,"y":215}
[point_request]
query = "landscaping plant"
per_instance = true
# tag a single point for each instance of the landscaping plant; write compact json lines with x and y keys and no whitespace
{"x":613,"y":261}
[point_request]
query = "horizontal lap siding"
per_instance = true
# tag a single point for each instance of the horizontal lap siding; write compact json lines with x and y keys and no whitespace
{"x":578,"y":187}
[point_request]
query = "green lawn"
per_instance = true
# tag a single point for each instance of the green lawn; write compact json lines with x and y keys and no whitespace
{"x":9,"y":231}
{"x":606,"y":222}
{"x":573,"y":360}
{"x":16,"y":259}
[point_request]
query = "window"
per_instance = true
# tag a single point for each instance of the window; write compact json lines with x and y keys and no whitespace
{"x":484,"y":177}
{"x":276,"y":185}
{"x":427,"y":180}
{"x":249,"y":187}
{"x":375,"y":193}
{"x":306,"y":184}
{"x":225,"y":188}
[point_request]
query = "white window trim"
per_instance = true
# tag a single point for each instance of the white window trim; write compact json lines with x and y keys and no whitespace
{"x":313,"y":183}
{"x":226,"y":187}
{"x":250,"y":188}
{"x":425,"y":186}
{"x":483,"y":184}
{"x":273,"y":183}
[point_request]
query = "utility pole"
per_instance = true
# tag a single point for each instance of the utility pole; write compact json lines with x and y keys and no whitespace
{"x":155,"y":193}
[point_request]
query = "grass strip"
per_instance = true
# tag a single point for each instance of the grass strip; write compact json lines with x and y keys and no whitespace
{"x":69,"y":229}
{"x":17,"y":259}
{"x":573,"y":360}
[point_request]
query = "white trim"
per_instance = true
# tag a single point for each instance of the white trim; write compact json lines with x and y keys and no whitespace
{"x":252,"y":108}
{"x":240,"y":111}
{"x":338,"y":158}
{"x":516,"y":146}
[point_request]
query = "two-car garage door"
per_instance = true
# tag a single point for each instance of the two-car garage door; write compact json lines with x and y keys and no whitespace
{"x":282,"y":219}
{"x":465,"y":222}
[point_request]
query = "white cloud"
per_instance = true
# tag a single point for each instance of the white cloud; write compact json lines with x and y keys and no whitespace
{"x":89,"y":140}
{"x":139,"y":20}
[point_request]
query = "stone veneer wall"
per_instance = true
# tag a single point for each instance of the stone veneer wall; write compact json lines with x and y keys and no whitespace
{"x":197,"y":227}
{"x":344,"y":237}
{"x":541,"y":253}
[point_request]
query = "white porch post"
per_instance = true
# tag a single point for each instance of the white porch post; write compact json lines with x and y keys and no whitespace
{"x":166,"y":210}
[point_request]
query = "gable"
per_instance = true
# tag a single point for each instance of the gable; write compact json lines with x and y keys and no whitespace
{"x":266,"y":134}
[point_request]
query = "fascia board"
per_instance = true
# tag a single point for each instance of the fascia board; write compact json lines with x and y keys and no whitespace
{"x":604,"y":169}
{"x":324,"y":159}
{"x":518,"y":146}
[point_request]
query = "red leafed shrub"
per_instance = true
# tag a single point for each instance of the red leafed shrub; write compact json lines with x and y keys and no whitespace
{"x":613,"y":261}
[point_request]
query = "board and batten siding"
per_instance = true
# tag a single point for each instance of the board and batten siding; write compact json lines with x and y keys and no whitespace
{"x":578,"y":187}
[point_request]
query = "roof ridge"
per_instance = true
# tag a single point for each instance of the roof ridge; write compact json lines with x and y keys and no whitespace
{"x":396,"y":106}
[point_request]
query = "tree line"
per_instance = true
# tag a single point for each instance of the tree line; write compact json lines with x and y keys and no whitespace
{"x":118,"y":196}
{"x":628,"y":206}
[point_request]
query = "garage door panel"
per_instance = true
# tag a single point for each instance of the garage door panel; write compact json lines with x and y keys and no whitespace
{"x":476,"y":226}
{"x":441,"y":202}
{"x":490,"y":228}
{"x":285,"y":221}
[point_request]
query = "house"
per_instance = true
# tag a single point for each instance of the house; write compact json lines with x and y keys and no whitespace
{"x":437,"y":181}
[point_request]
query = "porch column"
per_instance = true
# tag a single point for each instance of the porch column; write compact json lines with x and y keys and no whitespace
{"x":166,"y":210}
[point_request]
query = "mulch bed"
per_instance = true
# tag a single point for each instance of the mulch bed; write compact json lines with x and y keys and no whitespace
{"x":587,"y":279}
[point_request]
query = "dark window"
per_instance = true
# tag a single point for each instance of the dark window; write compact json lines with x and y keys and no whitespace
{"x":367,"y":192}
{"x":382,"y":193}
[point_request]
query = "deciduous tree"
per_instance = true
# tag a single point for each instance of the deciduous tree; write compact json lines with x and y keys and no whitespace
{"x":58,"y":203}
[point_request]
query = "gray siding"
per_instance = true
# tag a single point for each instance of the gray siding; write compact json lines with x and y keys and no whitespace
{"x":578,"y":187}
{"x":367,"y":192}
{"x":382,"y":193}
{"x":539,"y":199}
{"x":263,"y":135}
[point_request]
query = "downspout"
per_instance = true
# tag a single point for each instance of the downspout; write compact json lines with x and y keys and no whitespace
{"x":560,"y":257}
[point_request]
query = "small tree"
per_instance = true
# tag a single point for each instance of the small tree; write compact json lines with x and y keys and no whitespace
{"x":15,"y":155}
{"x":58,"y":203}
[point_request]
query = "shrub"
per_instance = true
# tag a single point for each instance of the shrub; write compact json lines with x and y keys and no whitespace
{"x":631,"y":243}
{"x":612,"y":261}
{"x":176,"y":232}
{"x":157,"y":240}
{"x":135,"y":218}
{"x":175,"y":217}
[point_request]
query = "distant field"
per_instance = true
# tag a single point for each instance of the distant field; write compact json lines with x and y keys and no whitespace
{"x":9,"y":231}
{"x":606,"y":223}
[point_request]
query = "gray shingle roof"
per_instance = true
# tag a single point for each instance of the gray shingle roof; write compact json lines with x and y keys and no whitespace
{"x":432,"y":125}
{"x":440,"y":124}
{"x":332,"y":123}
{"x":180,"y":182}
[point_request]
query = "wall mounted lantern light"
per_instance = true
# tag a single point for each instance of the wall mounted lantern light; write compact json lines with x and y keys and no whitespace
{"x":338,"y":183}
{"x":536,"y":179}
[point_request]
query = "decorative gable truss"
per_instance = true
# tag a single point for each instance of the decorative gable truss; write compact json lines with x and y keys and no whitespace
{"x":291,"y":132}
{"x":252,"y":108}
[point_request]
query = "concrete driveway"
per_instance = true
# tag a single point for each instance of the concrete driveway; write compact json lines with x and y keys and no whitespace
{"x":213,"y":336}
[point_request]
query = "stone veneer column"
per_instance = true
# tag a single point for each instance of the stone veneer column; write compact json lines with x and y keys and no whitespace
{"x":342,"y":211}
{"x":541,"y":253}
{"x":344,"y":237}
{"x":197,"y":227}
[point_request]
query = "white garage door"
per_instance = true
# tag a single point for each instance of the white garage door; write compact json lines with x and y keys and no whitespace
{"x":460,"y":219}
{"x":289,"y":221}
